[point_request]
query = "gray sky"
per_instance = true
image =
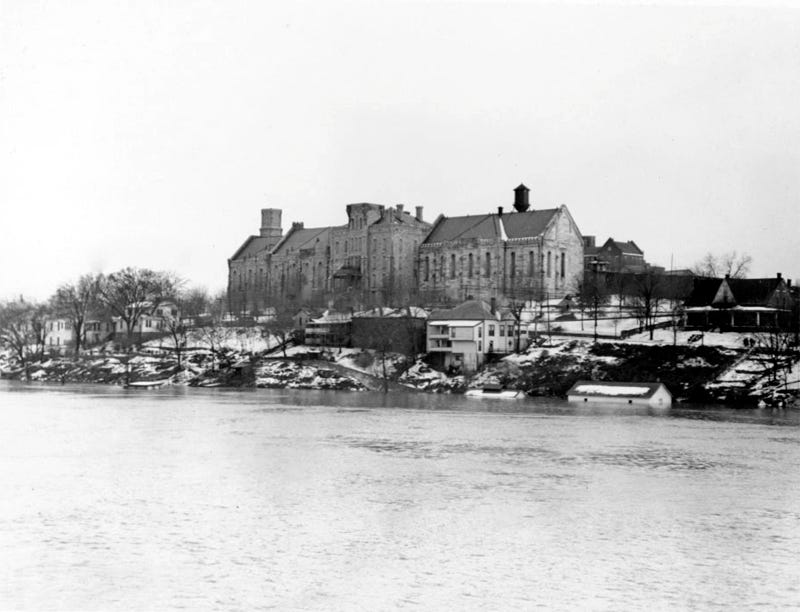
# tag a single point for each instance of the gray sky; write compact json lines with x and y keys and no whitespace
{"x":151,"y":133}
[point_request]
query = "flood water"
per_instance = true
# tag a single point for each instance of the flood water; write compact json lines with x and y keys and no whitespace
{"x":246,"y":500}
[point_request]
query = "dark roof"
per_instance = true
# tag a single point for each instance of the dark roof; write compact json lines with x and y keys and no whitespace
{"x":647,"y":389}
{"x":703,"y":291}
{"x":302,"y":238}
{"x":491,"y":226}
{"x":252,"y":246}
{"x":745,"y":291}
{"x":753,"y":291}
{"x":470,"y":310}
{"x":628,"y":246}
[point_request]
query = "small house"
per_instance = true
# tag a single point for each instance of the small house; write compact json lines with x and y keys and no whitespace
{"x":654,"y":395}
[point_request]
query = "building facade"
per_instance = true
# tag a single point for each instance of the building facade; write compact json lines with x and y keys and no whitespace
{"x":525,"y":254}
{"x":371,"y":259}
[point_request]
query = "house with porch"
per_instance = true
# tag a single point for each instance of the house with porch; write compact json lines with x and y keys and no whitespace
{"x":740,"y":304}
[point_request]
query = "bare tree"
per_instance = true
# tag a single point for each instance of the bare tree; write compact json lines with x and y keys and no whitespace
{"x":22,"y":330}
{"x":591,"y":293}
{"x":212,"y":329}
{"x":75,"y":302}
{"x":133,"y":292}
{"x":281,"y":324}
{"x":648,"y":287}
{"x":730,"y":264}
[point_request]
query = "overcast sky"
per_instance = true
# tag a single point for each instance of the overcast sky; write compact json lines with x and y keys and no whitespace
{"x":151,"y":133}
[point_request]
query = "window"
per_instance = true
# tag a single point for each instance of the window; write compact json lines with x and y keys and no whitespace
{"x":491,"y":329}
{"x":488,"y":264}
{"x":563,"y":264}
{"x":427,"y":268}
{"x":480,"y":348}
{"x":452,"y":266}
{"x":469,"y":265}
{"x":513,"y":264}
{"x":480,"y":332}
{"x":549,"y":265}
{"x":530,"y":264}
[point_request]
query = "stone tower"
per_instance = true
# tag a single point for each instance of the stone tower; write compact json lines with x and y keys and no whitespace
{"x":271,"y":225}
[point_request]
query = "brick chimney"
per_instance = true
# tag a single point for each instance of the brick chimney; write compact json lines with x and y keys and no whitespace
{"x":271,"y":225}
{"x":419,"y":213}
{"x":400,"y":208}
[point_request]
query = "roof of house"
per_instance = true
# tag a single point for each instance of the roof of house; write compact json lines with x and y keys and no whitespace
{"x":491,"y":226}
{"x":746,"y":291}
{"x":471,"y":310}
{"x":753,"y":291}
{"x":628,"y":247}
{"x":703,"y":291}
{"x":600,"y":388}
{"x":252,"y":246}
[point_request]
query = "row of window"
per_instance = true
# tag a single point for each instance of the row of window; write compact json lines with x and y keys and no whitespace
{"x":514,"y":269}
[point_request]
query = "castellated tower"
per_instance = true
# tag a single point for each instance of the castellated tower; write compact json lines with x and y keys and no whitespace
{"x":271,"y":225}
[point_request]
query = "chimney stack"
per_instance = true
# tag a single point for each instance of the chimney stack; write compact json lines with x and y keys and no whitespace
{"x":493,"y":304}
{"x":400,"y":208}
{"x":419,"y":213}
{"x":499,"y":211}
{"x":297,"y":225}
{"x":521,"y":202}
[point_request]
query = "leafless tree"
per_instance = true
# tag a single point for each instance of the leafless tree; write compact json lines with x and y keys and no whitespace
{"x":133,"y":292}
{"x":648,"y":288}
{"x":732,"y":264}
{"x":75,"y":302}
{"x":212,"y":329}
{"x":22,"y":330}
{"x":281,"y":324}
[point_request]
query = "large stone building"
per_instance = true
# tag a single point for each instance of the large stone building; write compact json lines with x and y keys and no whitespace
{"x":524,"y":254}
{"x":248,"y":269}
{"x":371,"y":259}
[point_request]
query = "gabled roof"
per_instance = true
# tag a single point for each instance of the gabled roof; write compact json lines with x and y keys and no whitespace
{"x":703,"y":291}
{"x":471,"y":310}
{"x":527,"y":224}
{"x":491,"y":226}
{"x":628,"y":248}
{"x":753,"y":291}
{"x":302,"y":238}
{"x":599,"y":388}
{"x":744,"y":291}
{"x":252,"y":246}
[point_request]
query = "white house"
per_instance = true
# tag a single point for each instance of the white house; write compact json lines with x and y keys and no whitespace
{"x":654,"y":395}
{"x":460,"y":338}
{"x":152,"y":321}
{"x":60,"y":333}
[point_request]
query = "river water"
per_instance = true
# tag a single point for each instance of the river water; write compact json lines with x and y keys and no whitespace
{"x":246,"y":500}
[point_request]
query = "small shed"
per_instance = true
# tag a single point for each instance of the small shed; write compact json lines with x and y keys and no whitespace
{"x":655,"y":395}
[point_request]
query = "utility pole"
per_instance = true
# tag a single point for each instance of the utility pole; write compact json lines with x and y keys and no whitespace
{"x":595,"y":263}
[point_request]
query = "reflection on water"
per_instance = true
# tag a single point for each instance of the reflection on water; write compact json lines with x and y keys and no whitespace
{"x":222,"y":499}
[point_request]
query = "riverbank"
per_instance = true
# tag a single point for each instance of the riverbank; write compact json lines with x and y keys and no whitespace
{"x":692,"y":373}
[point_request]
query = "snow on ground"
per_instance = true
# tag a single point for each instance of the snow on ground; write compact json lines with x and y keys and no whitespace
{"x":239,"y":339}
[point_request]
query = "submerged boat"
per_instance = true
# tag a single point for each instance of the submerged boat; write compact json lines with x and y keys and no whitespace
{"x":495,"y":391}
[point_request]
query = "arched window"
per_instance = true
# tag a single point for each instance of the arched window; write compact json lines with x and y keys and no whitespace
{"x":488,"y":264}
{"x":452,"y":265}
{"x":513,"y":264}
{"x":530,"y":264}
{"x":470,"y":268}
{"x":563,"y":264}
{"x":549,"y":264}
